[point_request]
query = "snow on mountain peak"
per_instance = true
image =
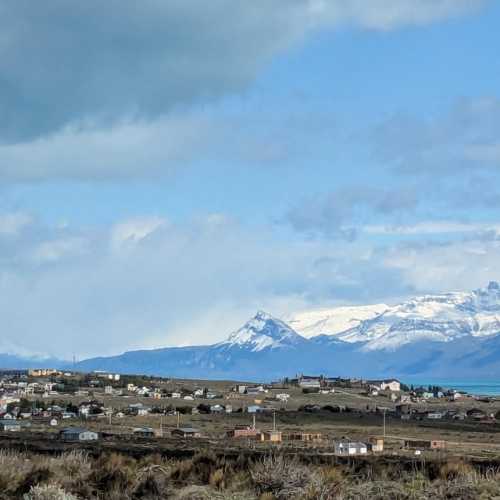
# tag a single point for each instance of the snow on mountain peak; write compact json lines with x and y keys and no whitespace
{"x":441,"y":318}
{"x":261,"y":332}
{"x":333,"y":321}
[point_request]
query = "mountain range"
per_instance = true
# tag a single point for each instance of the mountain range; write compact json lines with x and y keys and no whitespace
{"x":452,"y":335}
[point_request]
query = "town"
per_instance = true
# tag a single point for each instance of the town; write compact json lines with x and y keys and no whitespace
{"x":333,"y":416}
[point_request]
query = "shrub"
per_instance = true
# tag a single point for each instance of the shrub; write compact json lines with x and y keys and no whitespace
{"x":48,"y":492}
{"x":36,"y":476}
{"x":283,"y":478}
{"x":113,"y":473}
{"x":217,"y":479}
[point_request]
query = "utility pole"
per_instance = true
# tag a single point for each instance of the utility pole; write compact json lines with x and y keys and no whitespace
{"x":161,"y":424}
{"x":384,"y":421}
{"x":178,"y":419}
{"x":274,"y":420}
{"x":253,"y":423}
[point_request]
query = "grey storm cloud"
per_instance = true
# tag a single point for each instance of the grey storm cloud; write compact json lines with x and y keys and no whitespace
{"x":339,"y":213}
{"x":94,"y":63}
{"x":463,"y":137}
{"x":63,"y":62}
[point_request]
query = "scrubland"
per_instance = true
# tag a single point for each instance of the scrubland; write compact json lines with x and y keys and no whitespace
{"x":78,"y":475}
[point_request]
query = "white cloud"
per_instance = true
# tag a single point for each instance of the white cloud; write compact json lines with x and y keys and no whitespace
{"x":487,"y":154}
{"x":164,"y":284}
{"x":13,"y":223}
{"x":65,"y":291}
{"x":431,"y":227}
{"x":390,"y":14}
{"x":461,"y":265}
{"x":55,"y":250}
{"x":129,"y":149}
{"x":134,"y":230}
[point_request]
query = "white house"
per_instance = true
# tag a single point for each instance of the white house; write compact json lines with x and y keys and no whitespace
{"x":350,"y":448}
{"x":386,"y":385}
{"x":283,"y":397}
{"x":310,"y":383}
{"x":255,"y":390}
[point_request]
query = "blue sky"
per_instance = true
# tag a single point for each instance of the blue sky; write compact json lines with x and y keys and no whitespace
{"x":166,"y":170}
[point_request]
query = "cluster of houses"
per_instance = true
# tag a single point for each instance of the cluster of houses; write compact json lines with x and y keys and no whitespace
{"x":342,"y":447}
{"x":408,"y":412}
{"x":322,"y":384}
{"x":40,"y":384}
{"x":422,"y":395}
{"x":23,"y":389}
{"x":160,"y":393}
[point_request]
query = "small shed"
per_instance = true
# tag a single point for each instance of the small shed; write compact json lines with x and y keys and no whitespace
{"x":434,"y":444}
{"x":376,"y":445}
{"x":78,"y":434}
{"x":272,"y":436}
{"x":10,"y":425}
{"x":435,"y":415}
{"x":186,"y":432}
{"x":304,"y":436}
{"x":146,"y":432}
{"x":244,"y":432}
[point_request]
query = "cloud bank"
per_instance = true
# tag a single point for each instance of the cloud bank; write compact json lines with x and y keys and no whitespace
{"x":149,"y":282}
{"x":94,"y":64}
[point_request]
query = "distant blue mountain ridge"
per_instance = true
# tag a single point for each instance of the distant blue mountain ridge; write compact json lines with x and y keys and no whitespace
{"x":448,"y":336}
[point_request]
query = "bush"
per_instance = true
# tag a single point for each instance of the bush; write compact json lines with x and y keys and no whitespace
{"x":48,"y":492}
{"x":217,"y":479}
{"x":283,"y":478}
{"x":113,"y":473}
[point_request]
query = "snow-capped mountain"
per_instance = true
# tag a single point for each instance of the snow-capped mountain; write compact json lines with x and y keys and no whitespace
{"x":261,"y":332}
{"x":333,"y":321}
{"x":452,"y":335}
{"x":436,"y":318}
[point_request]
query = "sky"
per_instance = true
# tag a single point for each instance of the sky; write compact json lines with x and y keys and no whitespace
{"x":169,"y":168}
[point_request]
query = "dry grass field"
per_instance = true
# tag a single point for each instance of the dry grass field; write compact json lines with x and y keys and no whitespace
{"x":78,"y":474}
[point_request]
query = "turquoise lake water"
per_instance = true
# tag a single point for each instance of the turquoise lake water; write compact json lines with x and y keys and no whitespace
{"x":487,"y":388}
